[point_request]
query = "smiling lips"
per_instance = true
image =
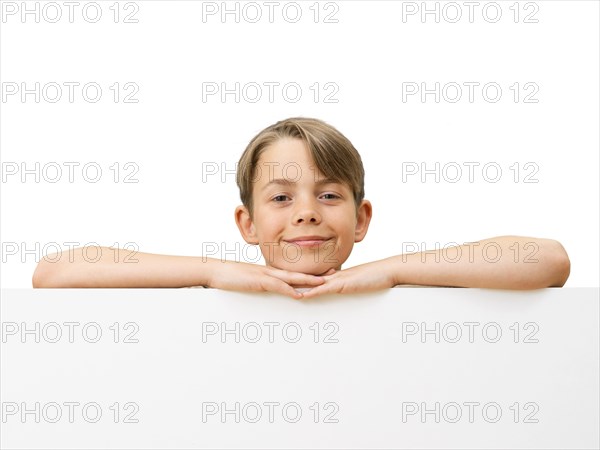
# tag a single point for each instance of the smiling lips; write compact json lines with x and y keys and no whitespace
{"x":308,"y":241}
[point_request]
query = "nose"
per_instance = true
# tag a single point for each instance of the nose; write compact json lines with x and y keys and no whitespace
{"x":306,"y":213}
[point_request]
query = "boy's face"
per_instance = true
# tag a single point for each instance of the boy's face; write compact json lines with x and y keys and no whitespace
{"x":302,"y":221}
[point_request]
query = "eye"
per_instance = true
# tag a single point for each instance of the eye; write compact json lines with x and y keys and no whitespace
{"x":280,"y":198}
{"x":330,"y":196}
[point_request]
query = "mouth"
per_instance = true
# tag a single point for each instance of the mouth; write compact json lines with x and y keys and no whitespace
{"x":308,"y":241}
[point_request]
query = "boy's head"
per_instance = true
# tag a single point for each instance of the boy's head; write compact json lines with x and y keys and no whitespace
{"x":302,"y":187}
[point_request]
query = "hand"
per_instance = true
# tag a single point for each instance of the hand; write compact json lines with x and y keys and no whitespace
{"x":238,"y":276}
{"x":364,"y":278}
{"x":306,"y":287}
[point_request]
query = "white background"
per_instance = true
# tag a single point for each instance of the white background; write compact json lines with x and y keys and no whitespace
{"x":369,"y":53}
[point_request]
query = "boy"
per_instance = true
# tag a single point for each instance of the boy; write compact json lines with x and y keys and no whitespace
{"x":302,"y":188}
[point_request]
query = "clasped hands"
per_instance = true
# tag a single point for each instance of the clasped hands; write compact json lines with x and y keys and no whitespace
{"x":238,"y":276}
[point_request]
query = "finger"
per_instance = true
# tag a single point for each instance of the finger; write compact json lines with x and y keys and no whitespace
{"x":302,"y":288}
{"x":319,"y":290}
{"x":273,"y":284}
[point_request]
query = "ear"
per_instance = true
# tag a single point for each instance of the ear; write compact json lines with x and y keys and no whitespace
{"x":363,"y":219}
{"x":245,"y":225}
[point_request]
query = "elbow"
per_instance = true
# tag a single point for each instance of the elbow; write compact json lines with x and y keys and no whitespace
{"x":560,"y":267}
{"x":39,"y":279}
{"x":44,"y":275}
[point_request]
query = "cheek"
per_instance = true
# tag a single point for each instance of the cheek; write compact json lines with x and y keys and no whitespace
{"x":269,"y":227}
{"x":346,"y":221}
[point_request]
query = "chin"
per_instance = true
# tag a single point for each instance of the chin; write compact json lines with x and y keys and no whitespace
{"x":308,"y":267}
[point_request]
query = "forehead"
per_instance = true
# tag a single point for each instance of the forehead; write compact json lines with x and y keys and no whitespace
{"x":287,"y":158}
{"x":286,"y":151}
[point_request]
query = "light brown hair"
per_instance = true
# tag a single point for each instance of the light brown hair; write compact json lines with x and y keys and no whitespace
{"x":333,"y":154}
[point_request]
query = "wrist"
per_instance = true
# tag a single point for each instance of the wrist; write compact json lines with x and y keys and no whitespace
{"x":394,"y":268}
{"x":206,"y":271}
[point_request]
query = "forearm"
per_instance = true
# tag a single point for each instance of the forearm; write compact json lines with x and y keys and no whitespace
{"x":119,"y":268}
{"x":505,"y":262}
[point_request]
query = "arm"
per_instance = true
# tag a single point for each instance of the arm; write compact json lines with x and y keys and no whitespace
{"x":104,"y":267}
{"x":118,"y":268}
{"x":504,"y":262}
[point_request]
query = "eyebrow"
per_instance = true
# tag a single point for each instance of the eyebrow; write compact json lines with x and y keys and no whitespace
{"x":285,"y":182}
